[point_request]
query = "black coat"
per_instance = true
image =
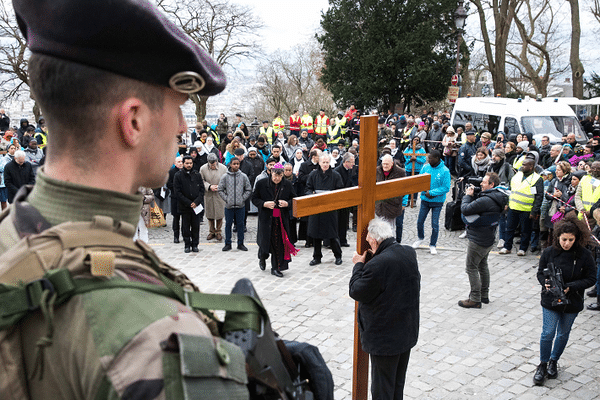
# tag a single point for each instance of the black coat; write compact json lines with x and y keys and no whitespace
{"x":188,"y":188}
{"x":489,"y":207}
{"x":579,"y":273}
{"x":348,"y":175}
{"x":174,"y":205}
{"x":252,"y":167}
{"x":16,"y":175}
{"x":387,"y":290}
{"x":305,"y":169}
{"x":390,"y":208}
{"x":265,"y":191}
{"x":325,"y":225}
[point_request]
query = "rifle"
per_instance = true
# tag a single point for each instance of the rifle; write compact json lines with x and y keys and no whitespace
{"x":272,"y":373}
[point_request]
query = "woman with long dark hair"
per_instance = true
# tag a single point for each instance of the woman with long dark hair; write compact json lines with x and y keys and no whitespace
{"x":566,"y":269}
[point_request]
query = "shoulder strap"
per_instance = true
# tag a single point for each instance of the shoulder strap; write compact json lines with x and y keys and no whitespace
{"x":91,"y":251}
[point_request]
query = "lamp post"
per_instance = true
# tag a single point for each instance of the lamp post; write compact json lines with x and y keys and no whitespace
{"x":460,"y":17}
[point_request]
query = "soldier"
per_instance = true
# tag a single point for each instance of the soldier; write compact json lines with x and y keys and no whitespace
{"x":111,"y":100}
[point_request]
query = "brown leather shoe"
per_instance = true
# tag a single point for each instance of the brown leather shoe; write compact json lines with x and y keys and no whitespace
{"x":469,"y":304}
{"x":219,"y":236}
{"x":211,"y":236}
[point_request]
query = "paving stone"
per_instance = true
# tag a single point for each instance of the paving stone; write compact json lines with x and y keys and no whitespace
{"x":489,"y":353}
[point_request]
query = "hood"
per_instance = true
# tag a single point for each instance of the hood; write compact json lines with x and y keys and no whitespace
{"x":24,"y":121}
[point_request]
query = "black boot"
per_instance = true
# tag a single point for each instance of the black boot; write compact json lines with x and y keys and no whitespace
{"x":176,"y":240}
{"x":552,"y":369}
{"x":540,"y":374}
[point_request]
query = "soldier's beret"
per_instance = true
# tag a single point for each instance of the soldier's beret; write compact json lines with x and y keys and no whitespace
{"x":127,"y":37}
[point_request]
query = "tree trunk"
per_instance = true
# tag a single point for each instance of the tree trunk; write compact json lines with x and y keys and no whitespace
{"x":200,"y":102}
{"x":576,"y":65}
{"x":37,"y":113}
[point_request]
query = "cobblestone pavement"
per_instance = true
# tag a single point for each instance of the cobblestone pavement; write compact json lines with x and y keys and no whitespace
{"x":489,"y":353}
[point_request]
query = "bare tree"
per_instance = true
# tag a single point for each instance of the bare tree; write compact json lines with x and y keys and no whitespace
{"x":14,"y":57}
{"x":288,"y":80}
{"x":533,"y":54}
{"x":577,"y":69}
{"x":495,"y":47}
{"x":225,"y":30}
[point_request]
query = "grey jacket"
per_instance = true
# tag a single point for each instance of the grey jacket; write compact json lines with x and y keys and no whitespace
{"x":234,"y":188}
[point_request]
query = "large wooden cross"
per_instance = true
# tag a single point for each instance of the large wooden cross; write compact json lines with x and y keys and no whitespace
{"x":363,"y":196}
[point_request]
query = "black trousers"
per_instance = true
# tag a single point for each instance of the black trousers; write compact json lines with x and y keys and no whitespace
{"x":388,"y":374}
{"x":343,"y":220}
{"x":335,"y":247}
{"x":190,"y":228}
{"x":176,"y":225}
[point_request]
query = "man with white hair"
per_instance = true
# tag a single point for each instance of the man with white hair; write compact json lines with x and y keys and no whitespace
{"x":391,"y":210}
{"x":387,"y":289}
{"x":324,"y":225}
{"x":17,"y":173}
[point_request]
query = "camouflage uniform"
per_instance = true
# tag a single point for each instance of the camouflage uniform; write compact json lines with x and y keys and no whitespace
{"x":110,"y":344}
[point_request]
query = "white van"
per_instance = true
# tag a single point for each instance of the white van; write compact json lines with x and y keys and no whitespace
{"x":535,"y":118}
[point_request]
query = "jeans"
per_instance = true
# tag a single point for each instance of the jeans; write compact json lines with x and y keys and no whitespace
{"x":478,"y":271}
{"x":502,"y":227}
{"x":512,"y":220}
{"x":237,"y":214}
{"x":436,"y":209}
{"x":399,"y":224}
{"x":558,"y":324}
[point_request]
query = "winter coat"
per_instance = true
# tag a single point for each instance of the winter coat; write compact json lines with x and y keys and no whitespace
{"x":348,"y":176}
{"x":16,"y":175}
{"x":504,"y":170}
{"x":174,"y":201}
{"x":252,"y":167}
{"x":390,"y":208}
{"x":562,"y":185}
{"x":265,"y":191}
{"x":579,"y":273}
{"x":440,"y":183}
{"x":465,"y":155}
{"x":34,"y":157}
{"x":387,"y":289}
{"x":4,"y":122}
{"x":418,"y":163}
{"x":324,"y":225}
{"x":235,"y":189}
{"x":305,"y":169}
{"x":436,"y":135}
{"x":213,"y":203}
{"x":488,"y":207}
{"x":189,"y":188}
{"x":148,"y":195}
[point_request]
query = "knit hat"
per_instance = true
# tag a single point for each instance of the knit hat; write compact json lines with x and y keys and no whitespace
{"x":524,"y":145}
{"x":252,"y":149}
{"x":239,"y":151}
{"x":579,"y":173}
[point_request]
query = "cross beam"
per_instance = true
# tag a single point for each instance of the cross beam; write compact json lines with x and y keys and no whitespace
{"x":363,"y":196}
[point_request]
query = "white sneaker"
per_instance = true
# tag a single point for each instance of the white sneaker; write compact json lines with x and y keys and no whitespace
{"x":500,"y":243}
{"x":521,"y":252}
{"x":463,"y":235}
{"x":432,"y":250}
{"x":417,"y":243}
{"x":504,"y":251}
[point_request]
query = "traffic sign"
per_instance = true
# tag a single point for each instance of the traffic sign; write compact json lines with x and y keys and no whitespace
{"x":453,"y":92}
{"x":454,"y":80}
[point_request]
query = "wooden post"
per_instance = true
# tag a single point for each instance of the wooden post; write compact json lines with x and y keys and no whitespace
{"x":364,"y":196}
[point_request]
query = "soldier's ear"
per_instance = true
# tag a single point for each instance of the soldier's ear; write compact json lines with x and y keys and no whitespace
{"x":132,"y":120}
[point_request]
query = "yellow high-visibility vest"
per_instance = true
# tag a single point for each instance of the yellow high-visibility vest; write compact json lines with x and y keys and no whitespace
{"x":268,"y":132}
{"x":590,"y":191}
{"x":278,"y":124}
{"x":321,"y":124}
{"x":521,"y":197}
{"x":307,"y":123}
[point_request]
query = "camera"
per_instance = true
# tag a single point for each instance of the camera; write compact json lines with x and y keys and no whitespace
{"x":554,"y":279}
{"x":475,"y":183}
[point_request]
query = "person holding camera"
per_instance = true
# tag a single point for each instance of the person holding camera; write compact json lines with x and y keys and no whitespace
{"x":566,"y":269}
{"x":482,"y":213}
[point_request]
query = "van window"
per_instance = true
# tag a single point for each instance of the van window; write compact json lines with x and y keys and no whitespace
{"x":512,"y":125}
{"x":481,"y":122}
{"x":557,"y":126}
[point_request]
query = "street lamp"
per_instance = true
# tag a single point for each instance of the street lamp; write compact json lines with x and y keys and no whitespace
{"x":460,"y":17}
